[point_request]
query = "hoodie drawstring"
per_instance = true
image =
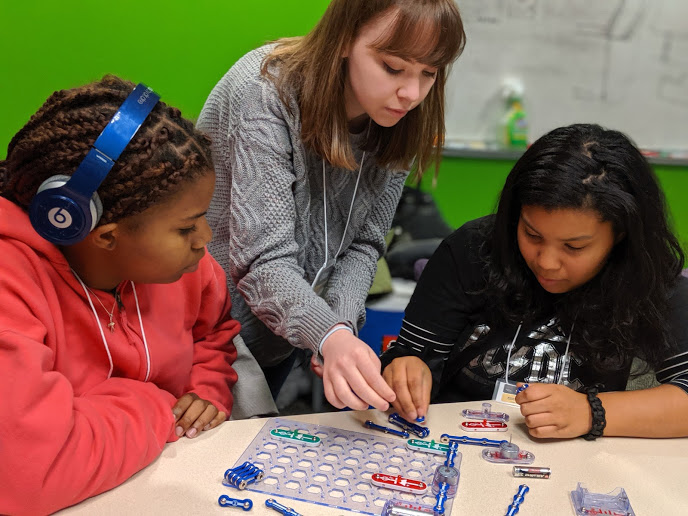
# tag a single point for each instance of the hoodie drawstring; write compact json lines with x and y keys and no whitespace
{"x":102,"y":333}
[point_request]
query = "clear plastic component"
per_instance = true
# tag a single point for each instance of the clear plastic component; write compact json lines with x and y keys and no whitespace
{"x":615,"y":503}
{"x":446,"y":480}
{"x":508,"y":453}
{"x":448,"y":475}
{"x":486,"y":414}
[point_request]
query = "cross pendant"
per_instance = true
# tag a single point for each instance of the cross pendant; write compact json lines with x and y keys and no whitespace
{"x":111,"y":325}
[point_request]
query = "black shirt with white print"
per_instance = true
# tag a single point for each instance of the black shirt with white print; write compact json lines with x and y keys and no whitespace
{"x":445,"y":325}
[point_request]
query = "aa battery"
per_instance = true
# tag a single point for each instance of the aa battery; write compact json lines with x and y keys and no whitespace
{"x":532,"y":472}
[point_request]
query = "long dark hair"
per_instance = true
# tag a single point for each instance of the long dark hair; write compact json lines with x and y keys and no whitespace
{"x":428,"y":31}
{"x":621,"y":312}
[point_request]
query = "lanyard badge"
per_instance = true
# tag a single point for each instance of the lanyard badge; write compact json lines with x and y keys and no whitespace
{"x":504,"y":391}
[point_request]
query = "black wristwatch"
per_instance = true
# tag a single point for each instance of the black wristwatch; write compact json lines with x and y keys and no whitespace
{"x":598,"y":414}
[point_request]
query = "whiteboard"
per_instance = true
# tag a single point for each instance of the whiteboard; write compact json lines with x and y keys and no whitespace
{"x":620,"y":63}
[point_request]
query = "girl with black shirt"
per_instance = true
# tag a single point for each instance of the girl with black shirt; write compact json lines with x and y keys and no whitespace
{"x":577,"y":274}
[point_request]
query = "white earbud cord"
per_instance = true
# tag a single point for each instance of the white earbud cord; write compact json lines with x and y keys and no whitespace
{"x":143,"y":333}
{"x":351,"y":207}
{"x":564,"y":360}
{"x":100,"y":327}
{"x":325,"y":211}
{"x":508,"y":353}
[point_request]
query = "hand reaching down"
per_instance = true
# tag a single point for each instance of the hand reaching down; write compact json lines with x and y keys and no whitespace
{"x":351,"y":374}
{"x":412,"y":383}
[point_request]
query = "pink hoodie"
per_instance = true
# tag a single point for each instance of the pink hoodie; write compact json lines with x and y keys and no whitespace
{"x":67,"y":431}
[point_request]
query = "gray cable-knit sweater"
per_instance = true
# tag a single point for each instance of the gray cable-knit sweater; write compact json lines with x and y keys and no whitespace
{"x":268,"y":222}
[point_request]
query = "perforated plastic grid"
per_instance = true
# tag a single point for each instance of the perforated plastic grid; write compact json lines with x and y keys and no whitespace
{"x":337,"y":472}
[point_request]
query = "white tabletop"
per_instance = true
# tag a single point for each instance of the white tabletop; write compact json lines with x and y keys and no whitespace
{"x":186,"y":478}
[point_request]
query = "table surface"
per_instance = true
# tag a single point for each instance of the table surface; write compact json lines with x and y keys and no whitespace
{"x":186,"y":478}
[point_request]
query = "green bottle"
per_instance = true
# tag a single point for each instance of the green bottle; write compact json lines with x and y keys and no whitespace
{"x":514,"y":126}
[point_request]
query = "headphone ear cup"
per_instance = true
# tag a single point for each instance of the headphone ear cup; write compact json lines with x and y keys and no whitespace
{"x":53,"y":182}
{"x":58,"y":180}
{"x":61,"y":211}
{"x":96,"y":206}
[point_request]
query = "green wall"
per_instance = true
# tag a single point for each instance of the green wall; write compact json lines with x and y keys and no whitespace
{"x":181,"y":49}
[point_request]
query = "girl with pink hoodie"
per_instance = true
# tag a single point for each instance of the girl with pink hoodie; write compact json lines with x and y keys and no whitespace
{"x":120,"y":340}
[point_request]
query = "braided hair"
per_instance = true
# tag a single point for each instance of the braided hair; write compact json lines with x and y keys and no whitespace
{"x":165,"y":153}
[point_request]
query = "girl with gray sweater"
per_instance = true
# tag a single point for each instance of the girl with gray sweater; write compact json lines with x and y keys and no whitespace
{"x":313,"y":139}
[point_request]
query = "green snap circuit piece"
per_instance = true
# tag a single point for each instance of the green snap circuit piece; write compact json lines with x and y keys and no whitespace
{"x":427,"y":446}
{"x":295,"y":437}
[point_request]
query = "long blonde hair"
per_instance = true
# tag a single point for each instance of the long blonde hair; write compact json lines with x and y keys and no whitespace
{"x":427,"y":31}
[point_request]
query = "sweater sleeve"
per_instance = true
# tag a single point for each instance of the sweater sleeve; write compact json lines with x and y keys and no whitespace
{"x":353,"y":274}
{"x":253,"y":159}
{"x":212,"y":376}
{"x":441,"y":306}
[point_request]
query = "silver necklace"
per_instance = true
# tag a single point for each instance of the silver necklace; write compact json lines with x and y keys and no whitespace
{"x":111,"y":313}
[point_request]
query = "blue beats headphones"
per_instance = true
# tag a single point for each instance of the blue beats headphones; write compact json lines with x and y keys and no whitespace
{"x":66,"y":209}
